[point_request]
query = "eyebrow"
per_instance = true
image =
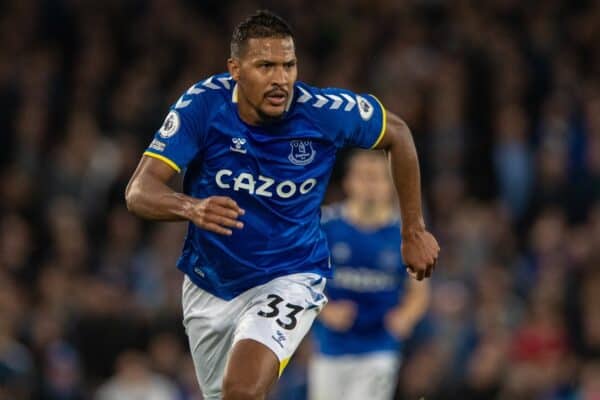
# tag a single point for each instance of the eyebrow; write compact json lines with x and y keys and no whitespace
{"x":266,"y":61}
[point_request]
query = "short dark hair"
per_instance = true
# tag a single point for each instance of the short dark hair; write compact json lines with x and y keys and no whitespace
{"x":262,"y":24}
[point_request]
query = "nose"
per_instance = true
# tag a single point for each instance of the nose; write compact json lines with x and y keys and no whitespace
{"x":280,"y":76}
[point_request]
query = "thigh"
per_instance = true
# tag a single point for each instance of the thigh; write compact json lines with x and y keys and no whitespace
{"x":326,"y":378}
{"x":251,"y":371}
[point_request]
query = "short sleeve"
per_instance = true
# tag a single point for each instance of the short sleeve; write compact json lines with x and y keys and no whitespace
{"x":179,"y":138}
{"x":365,"y":127}
{"x":349,"y":119}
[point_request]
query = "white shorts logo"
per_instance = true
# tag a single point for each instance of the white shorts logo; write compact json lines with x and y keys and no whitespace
{"x":170,"y":126}
{"x":364,"y":108}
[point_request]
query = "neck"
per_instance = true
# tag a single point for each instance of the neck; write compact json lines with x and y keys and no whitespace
{"x":248,"y":114}
{"x":369,"y":215}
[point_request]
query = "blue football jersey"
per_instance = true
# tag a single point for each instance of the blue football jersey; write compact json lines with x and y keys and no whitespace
{"x":277,"y":173}
{"x":368,"y":271}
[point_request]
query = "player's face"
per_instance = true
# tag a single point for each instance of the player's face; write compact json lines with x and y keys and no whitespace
{"x":368,"y":180}
{"x":265,"y":74}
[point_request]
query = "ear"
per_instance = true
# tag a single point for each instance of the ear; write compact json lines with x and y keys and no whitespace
{"x":233,"y":65}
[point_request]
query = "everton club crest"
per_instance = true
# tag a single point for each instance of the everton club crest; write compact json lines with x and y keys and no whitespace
{"x":302,"y":152}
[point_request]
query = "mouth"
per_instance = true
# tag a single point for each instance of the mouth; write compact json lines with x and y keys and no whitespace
{"x":276,"y":97}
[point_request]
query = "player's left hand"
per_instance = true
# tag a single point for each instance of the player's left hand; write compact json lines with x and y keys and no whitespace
{"x":420,"y":253}
{"x":339,"y":315}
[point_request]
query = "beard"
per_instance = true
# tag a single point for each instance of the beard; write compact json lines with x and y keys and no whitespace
{"x":268,"y":118}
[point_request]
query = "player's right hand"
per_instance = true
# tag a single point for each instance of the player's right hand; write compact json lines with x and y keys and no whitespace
{"x":217,"y":214}
{"x":339,"y":315}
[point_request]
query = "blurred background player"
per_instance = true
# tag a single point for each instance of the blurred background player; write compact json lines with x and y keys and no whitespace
{"x":373,"y":304}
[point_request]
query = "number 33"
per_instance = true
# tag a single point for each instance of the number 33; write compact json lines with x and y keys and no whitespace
{"x":274,"y":311}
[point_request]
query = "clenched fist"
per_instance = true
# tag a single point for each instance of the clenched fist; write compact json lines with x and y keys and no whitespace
{"x":420,"y":252}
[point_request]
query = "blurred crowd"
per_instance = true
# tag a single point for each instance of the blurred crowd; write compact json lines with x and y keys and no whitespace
{"x":503,"y":98}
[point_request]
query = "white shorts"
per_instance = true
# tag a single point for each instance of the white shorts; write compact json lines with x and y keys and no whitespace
{"x":353,"y":377}
{"x":277,"y":314}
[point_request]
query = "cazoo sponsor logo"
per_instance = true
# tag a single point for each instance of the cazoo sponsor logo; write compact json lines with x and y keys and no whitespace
{"x":262,"y":185}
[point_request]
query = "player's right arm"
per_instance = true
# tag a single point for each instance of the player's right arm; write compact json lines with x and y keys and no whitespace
{"x":149,"y":196}
{"x":175,"y":145}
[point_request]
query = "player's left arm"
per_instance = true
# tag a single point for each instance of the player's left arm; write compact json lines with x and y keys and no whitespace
{"x":401,"y":320}
{"x":419,"y":248}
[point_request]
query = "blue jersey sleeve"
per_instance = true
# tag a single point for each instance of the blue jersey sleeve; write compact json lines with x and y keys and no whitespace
{"x":179,"y":139}
{"x":349,"y":119}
